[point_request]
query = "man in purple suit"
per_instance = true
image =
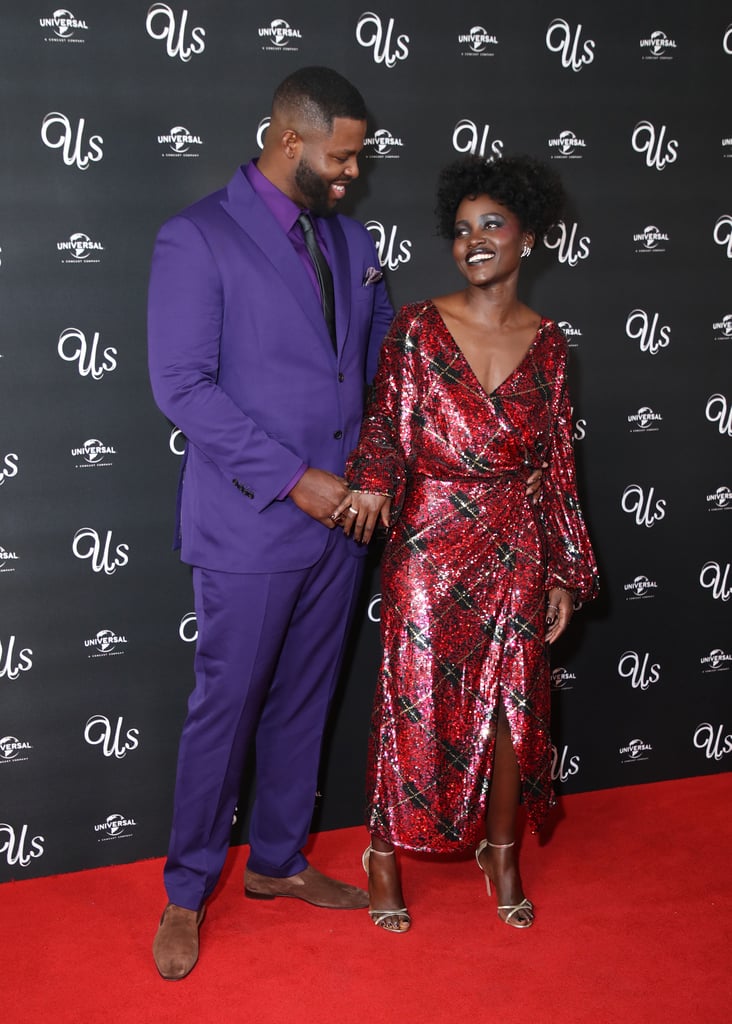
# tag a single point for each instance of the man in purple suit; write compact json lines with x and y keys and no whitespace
{"x":264,"y":329}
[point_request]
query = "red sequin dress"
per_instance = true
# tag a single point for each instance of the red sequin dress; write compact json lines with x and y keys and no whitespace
{"x":465,"y":572}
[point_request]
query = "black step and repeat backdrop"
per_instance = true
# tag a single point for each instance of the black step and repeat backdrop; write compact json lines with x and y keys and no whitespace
{"x":114,"y":116}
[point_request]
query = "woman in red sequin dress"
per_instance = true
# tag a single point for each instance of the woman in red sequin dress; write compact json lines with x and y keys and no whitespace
{"x":477,"y":579}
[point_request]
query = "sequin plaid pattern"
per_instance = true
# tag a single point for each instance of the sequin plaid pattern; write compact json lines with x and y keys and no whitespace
{"x":464,"y":576}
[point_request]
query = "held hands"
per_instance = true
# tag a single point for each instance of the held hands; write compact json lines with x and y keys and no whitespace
{"x":318,"y":492}
{"x":360,"y":512}
{"x":559,"y":610}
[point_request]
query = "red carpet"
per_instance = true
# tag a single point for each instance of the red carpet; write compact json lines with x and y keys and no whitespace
{"x":633,"y":898}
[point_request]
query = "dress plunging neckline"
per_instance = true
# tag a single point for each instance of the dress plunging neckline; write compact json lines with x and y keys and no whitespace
{"x":542,"y":323}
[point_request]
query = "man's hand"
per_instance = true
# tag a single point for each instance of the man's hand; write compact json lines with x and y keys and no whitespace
{"x":318,"y":492}
{"x":360,"y":512}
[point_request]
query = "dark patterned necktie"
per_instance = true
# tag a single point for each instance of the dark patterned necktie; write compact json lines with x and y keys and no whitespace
{"x":322,"y":271}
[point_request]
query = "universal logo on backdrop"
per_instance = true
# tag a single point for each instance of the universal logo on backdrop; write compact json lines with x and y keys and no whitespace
{"x":280,"y":36}
{"x":634,"y":752}
{"x":720,"y":500}
{"x":105,"y":644}
{"x":571,"y":333}
{"x":94,"y":453}
{"x":7,"y":560}
{"x":180,"y":40}
{"x":13,"y":750}
{"x":650,"y":239}
{"x":387,"y":45}
{"x":382,"y":145}
{"x":115,"y":826}
{"x":178,"y":142}
{"x":79,"y":249}
{"x":723,"y":328}
{"x":562,"y":679}
{"x":716,"y":661}
{"x":640,"y":588}
{"x":658,"y":46}
{"x":566,"y":146}
{"x":644,"y":421}
{"x":66,"y":27}
{"x":479,"y":41}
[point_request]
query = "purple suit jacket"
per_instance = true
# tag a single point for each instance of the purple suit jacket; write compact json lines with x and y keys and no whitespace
{"x":242,"y":362}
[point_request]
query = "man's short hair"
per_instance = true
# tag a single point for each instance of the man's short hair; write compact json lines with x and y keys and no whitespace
{"x":316,"y":96}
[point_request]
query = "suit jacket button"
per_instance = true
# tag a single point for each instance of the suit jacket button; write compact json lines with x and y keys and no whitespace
{"x":341,"y":378}
{"x":338,"y":435}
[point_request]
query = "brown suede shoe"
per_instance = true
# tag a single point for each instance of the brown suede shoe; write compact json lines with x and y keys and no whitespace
{"x":175,"y":947}
{"x":309,"y":885}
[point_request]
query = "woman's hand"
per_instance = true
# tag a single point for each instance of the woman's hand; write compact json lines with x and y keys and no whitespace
{"x":360,"y":512}
{"x":533,"y":484}
{"x":559,"y":610}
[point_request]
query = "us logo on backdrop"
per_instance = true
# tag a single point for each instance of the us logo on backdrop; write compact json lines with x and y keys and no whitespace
{"x":115,"y":740}
{"x":180,"y":40}
{"x":469,"y":137}
{"x":713,"y":740}
{"x":14,"y":659}
{"x":78,"y":148}
{"x":388,"y":46}
{"x":575,"y":51}
{"x":18,"y":846}
{"x":392,"y":250}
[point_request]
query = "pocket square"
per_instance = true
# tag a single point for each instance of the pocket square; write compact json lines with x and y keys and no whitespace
{"x":371,"y":276}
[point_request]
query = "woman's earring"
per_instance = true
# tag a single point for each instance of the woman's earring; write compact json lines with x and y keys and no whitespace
{"x":526,"y":251}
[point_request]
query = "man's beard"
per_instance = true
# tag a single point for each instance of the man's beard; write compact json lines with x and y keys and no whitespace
{"x":314,"y":190}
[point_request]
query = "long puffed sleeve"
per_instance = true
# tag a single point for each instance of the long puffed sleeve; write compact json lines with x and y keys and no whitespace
{"x":379,"y":462}
{"x":571,"y":560}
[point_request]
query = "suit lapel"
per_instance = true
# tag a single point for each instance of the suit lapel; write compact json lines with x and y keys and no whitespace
{"x":244,"y":206}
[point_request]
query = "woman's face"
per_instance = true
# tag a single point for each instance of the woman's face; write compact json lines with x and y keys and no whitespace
{"x":488,"y":240}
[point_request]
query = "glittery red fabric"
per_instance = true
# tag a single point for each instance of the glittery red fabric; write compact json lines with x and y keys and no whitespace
{"x":465,"y":572}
